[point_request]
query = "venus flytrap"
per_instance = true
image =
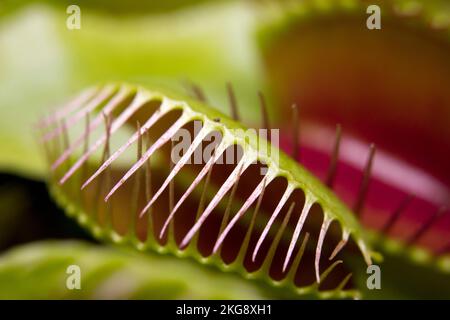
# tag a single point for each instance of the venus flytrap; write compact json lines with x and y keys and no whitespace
{"x":268,"y":225}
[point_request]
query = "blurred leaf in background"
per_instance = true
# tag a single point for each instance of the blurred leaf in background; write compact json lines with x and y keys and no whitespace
{"x":43,"y":62}
{"x":38,"y":271}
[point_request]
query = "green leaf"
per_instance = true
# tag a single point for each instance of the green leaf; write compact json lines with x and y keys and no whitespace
{"x":39,"y":271}
{"x":42,"y":62}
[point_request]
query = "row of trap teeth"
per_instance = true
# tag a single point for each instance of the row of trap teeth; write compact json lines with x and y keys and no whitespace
{"x":109,"y":105}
